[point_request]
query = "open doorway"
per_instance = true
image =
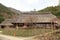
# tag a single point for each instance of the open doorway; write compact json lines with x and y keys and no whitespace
{"x":2,"y":27}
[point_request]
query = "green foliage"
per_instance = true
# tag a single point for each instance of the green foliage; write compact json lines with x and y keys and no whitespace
{"x":54,"y":10}
{"x":57,"y":13}
{"x":1,"y":19}
{"x":25,"y":32}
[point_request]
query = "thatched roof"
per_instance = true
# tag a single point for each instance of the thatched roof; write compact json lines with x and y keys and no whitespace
{"x":6,"y":23}
{"x":34,"y":17}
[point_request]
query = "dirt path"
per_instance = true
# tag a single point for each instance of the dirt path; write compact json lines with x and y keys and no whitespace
{"x":5,"y":37}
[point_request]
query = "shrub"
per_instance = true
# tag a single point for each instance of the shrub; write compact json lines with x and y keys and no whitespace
{"x":1,"y":19}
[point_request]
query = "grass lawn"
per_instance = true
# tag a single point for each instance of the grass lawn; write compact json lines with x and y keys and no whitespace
{"x":24,"y":32}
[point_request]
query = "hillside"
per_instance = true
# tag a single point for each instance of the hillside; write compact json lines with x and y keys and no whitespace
{"x":14,"y":10}
{"x":5,"y":13}
{"x":54,"y":10}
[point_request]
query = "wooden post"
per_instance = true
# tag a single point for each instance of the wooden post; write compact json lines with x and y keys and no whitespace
{"x":54,"y":25}
{"x":0,"y":26}
{"x":45,"y":26}
{"x":51,"y":24}
{"x":16,"y":26}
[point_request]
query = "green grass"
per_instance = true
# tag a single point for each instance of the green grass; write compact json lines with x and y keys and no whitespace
{"x":25,"y":32}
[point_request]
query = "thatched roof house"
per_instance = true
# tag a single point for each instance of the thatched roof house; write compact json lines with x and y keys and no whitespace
{"x":33,"y":17}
